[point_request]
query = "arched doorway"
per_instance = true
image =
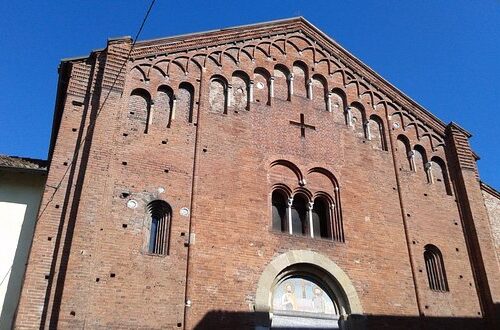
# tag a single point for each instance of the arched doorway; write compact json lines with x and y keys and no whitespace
{"x":304,"y":290}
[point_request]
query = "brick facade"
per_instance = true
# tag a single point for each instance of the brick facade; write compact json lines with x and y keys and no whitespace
{"x":203,"y":122}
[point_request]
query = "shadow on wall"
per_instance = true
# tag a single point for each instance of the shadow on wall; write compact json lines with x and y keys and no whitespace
{"x":248,"y":320}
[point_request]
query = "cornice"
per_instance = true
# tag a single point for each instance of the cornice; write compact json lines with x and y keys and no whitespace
{"x":490,"y":190}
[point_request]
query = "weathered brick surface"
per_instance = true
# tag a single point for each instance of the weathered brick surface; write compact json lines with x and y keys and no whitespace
{"x":218,"y":165}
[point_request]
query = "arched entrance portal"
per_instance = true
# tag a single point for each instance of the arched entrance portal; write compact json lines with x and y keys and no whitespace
{"x":304,"y":290}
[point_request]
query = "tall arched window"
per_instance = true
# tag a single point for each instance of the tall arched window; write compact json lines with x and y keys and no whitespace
{"x":218,"y":95}
{"x":281,"y":83}
{"x":403,"y":151}
{"x":321,"y":219}
{"x":185,"y":101}
{"x":300,"y":79}
{"x":139,"y":107}
{"x":434,"y":266}
{"x":419,"y":160}
{"x":299,"y":215}
{"x":440,"y":175}
{"x":261,"y":86}
{"x":239,"y":88}
{"x":160,"y":222}
{"x":376,"y":131}
{"x":279,"y":206}
{"x":164,"y":103}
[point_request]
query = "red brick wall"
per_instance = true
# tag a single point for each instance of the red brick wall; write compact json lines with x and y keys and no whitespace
{"x":218,"y":166}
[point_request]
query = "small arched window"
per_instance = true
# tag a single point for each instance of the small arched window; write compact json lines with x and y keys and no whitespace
{"x":376,"y":132}
{"x":218,"y":95}
{"x":299,"y":215}
{"x":434,"y":266}
{"x":321,"y":219}
{"x":160,"y":215}
{"x":279,"y":206}
{"x":186,"y":101}
{"x":139,"y":107}
{"x":404,"y":153}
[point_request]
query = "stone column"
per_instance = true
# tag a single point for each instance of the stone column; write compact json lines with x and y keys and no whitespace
{"x":271,"y":87}
{"x":310,"y":217}
{"x":250,"y":92}
{"x":289,"y":213}
{"x":329,"y":102}
{"x":290,"y":85}
{"x":309,"y":89}
{"x":229,"y":95}
{"x":174,"y":107}
{"x":366,"y":125}
{"x":348,"y":115}
{"x":428,"y":171}
{"x":411,"y":158}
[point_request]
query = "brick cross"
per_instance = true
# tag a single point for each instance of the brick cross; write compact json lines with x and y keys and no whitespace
{"x":302,"y":125}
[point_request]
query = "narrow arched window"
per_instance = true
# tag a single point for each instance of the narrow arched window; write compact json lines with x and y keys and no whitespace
{"x":261,"y":86}
{"x":160,"y":222}
{"x":404,"y":153}
{"x":299,"y":215}
{"x":420,"y":161}
{"x":440,"y":175}
{"x":281,"y":82}
{"x":185,"y":101}
{"x":218,"y":95}
{"x":239,"y":87}
{"x":139,"y":107}
{"x":376,"y":132}
{"x":164,"y":103}
{"x":434,"y":266}
{"x":279,"y":205}
{"x":321,"y":219}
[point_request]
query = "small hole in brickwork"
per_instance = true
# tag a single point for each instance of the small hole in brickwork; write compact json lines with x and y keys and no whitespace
{"x":166,"y":170}
{"x":112,"y":275}
{"x":425,"y":195}
{"x":72,"y":313}
{"x":235,"y":111}
{"x":414,"y":242}
{"x":124,"y":163}
{"x":364,"y":141}
{"x":65,"y":163}
{"x":456,"y":249}
{"x":195,"y":124}
{"x":183,"y":234}
{"x":124,"y":225}
{"x":47,"y":277}
{"x":461,"y":276}
{"x":57,"y":206}
{"x":470,"y":284}
{"x":179,"y":325}
{"x":408,"y":215}
{"x":97,"y":279}
{"x":132,"y":113}
{"x":101,"y":229}
{"x":73,"y":129}
{"x":124,"y":195}
{"x":164,"y":142}
{"x":204,"y":149}
{"x":426,"y":306}
{"x":478,"y":313}
{"x":456,"y":223}
{"x":77,"y":103}
{"x":49,"y":238}
{"x":400,"y":169}
{"x":257,"y":100}
{"x":420,"y":270}
{"x":125,"y":134}
{"x":393,"y":188}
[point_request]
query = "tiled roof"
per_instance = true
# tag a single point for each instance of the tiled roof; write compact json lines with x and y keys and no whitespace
{"x":22,"y":163}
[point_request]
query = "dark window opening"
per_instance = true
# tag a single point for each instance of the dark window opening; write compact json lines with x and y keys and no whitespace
{"x":299,"y":215}
{"x":434,"y":265}
{"x":160,"y":215}
{"x":321,"y":218}
{"x":279,"y":205}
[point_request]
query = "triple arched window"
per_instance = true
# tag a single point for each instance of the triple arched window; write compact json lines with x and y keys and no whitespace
{"x":305,"y":215}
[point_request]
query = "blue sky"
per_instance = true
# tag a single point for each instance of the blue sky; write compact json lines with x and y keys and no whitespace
{"x":443,"y":54}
